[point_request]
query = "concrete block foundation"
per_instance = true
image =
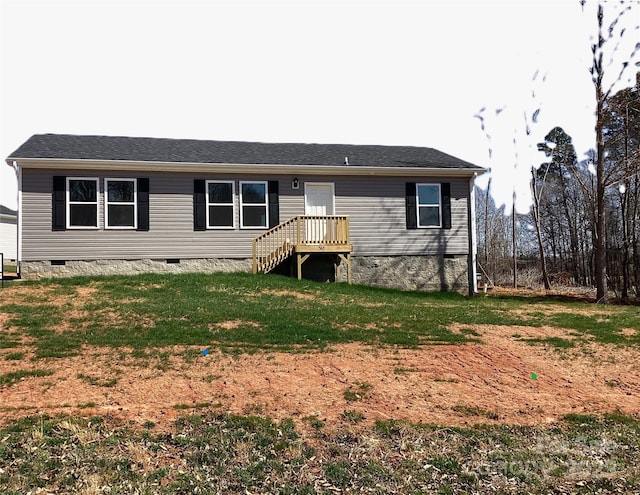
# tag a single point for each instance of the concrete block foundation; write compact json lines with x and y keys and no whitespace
{"x":429,"y":273}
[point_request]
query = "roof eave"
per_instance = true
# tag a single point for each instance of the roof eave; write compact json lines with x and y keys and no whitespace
{"x":278,"y":169}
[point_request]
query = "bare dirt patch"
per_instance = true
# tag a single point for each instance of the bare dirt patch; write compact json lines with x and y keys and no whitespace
{"x":629,"y":332}
{"x":501,"y":380}
{"x":570,"y":293}
{"x":291,"y":293}
{"x":232,"y":325}
{"x":50,"y":294}
{"x":530,"y":314}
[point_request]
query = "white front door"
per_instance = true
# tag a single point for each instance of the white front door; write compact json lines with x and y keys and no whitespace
{"x":318,"y":200}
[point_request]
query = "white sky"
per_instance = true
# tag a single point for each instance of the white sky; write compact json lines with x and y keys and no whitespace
{"x":358,"y":72}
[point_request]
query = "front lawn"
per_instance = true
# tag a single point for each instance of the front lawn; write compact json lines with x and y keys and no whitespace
{"x":235,"y":383}
{"x":246,"y":313}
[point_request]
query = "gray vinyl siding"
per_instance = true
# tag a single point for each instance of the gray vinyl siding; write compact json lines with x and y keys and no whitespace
{"x":377,"y":217}
{"x":375,"y":205}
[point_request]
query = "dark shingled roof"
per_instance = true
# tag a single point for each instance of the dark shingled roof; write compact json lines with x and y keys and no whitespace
{"x":136,"y":149}
{"x":7,"y":211}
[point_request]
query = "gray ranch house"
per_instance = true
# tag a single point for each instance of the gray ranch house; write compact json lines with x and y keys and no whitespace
{"x":393,"y":216}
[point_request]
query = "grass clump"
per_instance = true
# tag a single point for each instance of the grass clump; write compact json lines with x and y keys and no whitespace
{"x":6,"y":342}
{"x":315,"y":421}
{"x":352,"y":416}
{"x":475,"y":411}
{"x":97,"y":382}
{"x":357,"y":392}
{"x":15,"y":356}
{"x":403,"y":371}
{"x":11,"y":378}
{"x":556,"y":342}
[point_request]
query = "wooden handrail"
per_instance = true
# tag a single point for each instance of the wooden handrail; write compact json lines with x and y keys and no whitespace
{"x":275,"y":245}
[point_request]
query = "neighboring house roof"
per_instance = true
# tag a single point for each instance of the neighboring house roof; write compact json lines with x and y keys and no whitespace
{"x":153,"y":150}
{"x":7,"y":211}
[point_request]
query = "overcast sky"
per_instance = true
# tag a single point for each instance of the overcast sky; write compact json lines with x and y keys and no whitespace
{"x":360,"y":72}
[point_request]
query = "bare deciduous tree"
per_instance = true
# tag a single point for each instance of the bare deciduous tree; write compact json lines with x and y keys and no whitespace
{"x":605,"y":43}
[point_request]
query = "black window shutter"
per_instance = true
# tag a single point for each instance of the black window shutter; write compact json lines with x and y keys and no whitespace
{"x":199,"y":205}
{"x":274,"y":204}
{"x":412,"y":213}
{"x":143,"y":203}
{"x":59,"y":210}
{"x":445,"y":191}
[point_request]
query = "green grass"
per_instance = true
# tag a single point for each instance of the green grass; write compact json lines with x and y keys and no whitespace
{"x":353,"y":416}
{"x":9,"y":268}
{"x":247,"y":313}
{"x":556,"y":342}
{"x":209,"y":452}
{"x":474,"y":411}
{"x":357,"y":392}
{"x":15,"y":356}
{"x":97,"y":382}
{"x":14,"y":377}
{"x":6,"y":342}
{"x":403,"y":371}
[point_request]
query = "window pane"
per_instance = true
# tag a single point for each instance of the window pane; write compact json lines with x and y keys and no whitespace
{"x":121,"y":215}
{"x":220,"y":192}
{"x":428,"y":195}
{"x":254,"y":193}
{"x":220,"y":216}
{"x":254,"y":216}
{"x":120,"y":191}
{"x":83,"y":215}
{"x":82,"y":190}
{"x":429,"y":216}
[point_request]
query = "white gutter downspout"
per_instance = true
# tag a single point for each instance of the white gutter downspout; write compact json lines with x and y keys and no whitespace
{"x":18,"y":171}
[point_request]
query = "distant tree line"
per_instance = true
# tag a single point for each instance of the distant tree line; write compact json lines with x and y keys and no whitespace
{"x":554,"y":243}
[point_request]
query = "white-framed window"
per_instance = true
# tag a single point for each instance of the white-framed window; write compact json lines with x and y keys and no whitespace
{"x":220,"y":204}
{"x":254,"y":208}
{"x":82,"y":202}
{"x":429,"y":206}
{"x":120,"y":210}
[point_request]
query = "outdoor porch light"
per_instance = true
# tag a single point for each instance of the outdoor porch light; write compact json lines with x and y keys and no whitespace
{"x":295,"y":183}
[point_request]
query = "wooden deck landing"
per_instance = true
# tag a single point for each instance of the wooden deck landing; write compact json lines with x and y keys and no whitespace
{"x":303,"y":236}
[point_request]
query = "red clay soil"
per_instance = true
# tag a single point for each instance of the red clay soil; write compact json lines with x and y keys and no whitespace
{"x":498,"y":380}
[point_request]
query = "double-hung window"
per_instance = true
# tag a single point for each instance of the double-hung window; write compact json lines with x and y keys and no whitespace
{"x":254,"y":205}
{"x":120,"y":203}
{"x":429,"y":207}
{"x":220,"y":196}
{"x":82,"y":203}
